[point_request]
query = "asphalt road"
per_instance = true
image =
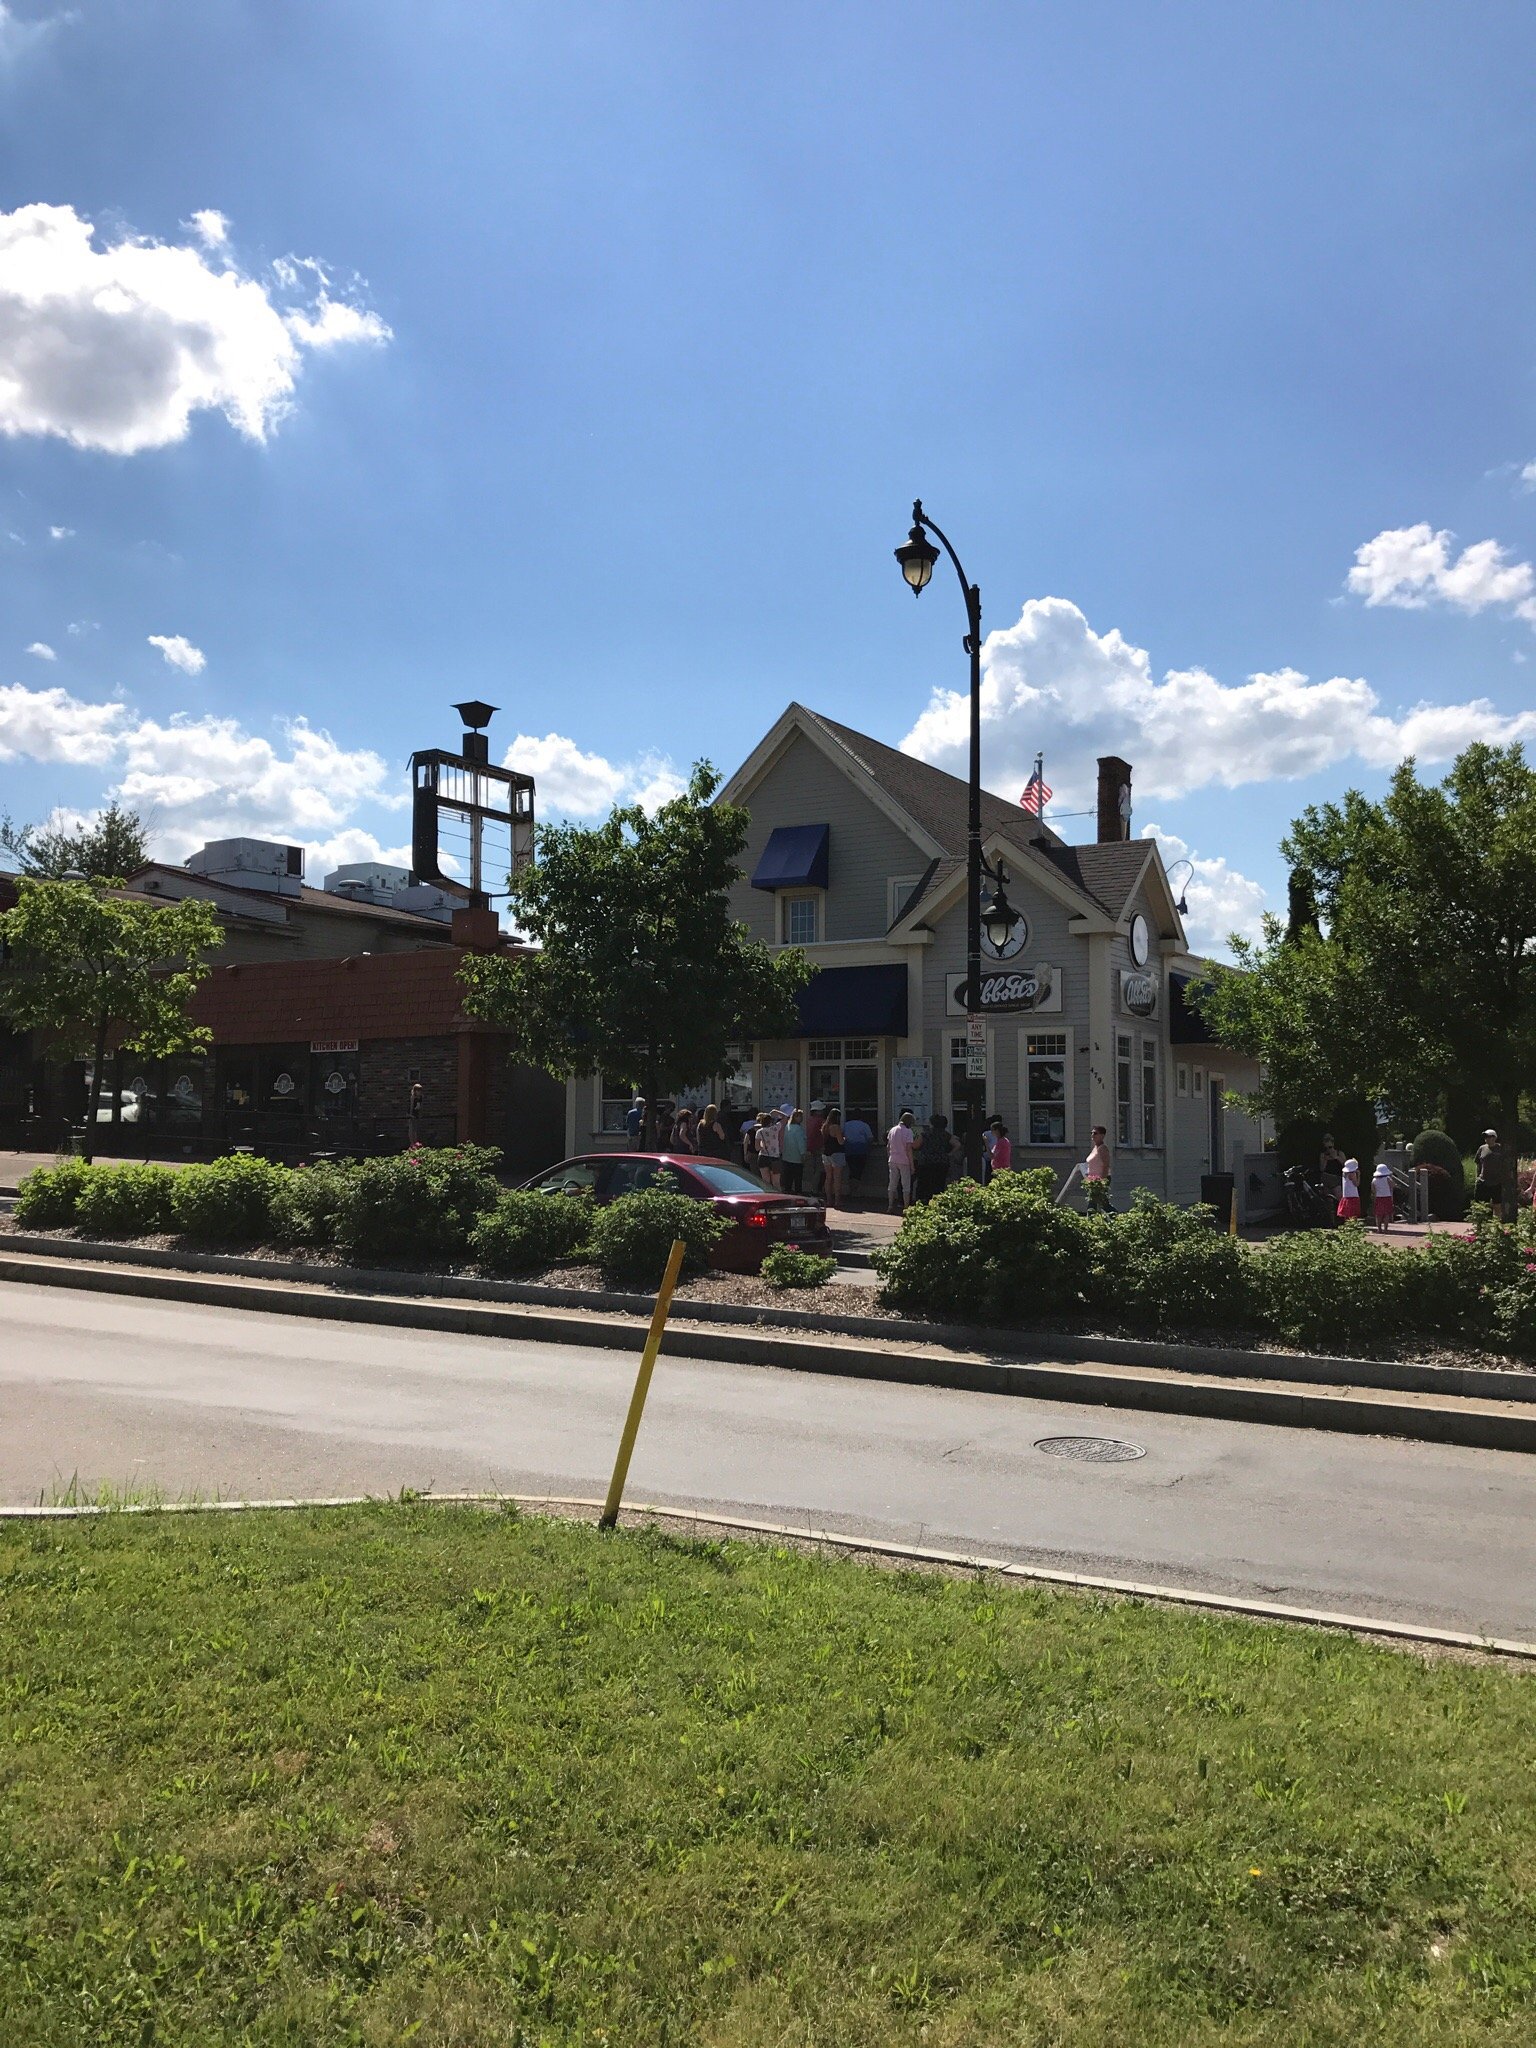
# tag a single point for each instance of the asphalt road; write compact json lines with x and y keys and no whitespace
{"x":193,"y":1400}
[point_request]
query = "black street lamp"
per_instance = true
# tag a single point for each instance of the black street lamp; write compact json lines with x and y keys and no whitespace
{"x":917,"y":557}
{"x":1182,"y":906}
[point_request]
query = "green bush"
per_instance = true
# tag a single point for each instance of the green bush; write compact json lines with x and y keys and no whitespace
{"x":788,"y":1265}
{"x":420,"y":1204}
{"x":49,"y":1196}
{"x":1166,"y":1267}
{"x":1335,"y":1291}
{"x":527,"y":1231}
{"x":1002,"y":1253}
{"x":1447,"y":1195}
{"x":126,"y":1201}
{"x":309,"y":1202}
{"x":632,"y":1238}
{"x":227,"y":1202}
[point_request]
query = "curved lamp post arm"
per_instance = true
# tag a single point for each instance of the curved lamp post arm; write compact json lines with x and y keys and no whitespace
{"x":972,"y":591}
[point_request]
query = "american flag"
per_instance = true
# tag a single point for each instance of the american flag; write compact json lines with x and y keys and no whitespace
{"x":1037,"y":792}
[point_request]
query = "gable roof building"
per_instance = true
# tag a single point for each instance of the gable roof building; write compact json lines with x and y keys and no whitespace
{"x":857,"y":853}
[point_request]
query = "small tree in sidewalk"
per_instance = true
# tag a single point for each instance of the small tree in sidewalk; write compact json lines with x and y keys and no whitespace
{"x":640,"y":968}
{"x":88,"y":969}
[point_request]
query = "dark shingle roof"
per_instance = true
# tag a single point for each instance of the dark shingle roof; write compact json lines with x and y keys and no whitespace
{"x":1107,"y":873}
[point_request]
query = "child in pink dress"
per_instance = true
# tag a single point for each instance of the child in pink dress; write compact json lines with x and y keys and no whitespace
{"x":1382,"y":1196}
{"x":1349,"y":1200}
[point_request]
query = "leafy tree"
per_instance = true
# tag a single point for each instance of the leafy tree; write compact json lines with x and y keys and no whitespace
{"x":84,"y":968}
{"x":1419,"y":974}
{"x":110,"y":848}
{"x":640,"y":970}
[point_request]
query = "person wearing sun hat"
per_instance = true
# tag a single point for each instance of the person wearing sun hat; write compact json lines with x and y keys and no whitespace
{"x":1349,"y":1199}
{"x":1492,"y":1168}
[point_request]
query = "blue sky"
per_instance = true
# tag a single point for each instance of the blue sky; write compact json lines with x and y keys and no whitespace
{"x":606,"y":347}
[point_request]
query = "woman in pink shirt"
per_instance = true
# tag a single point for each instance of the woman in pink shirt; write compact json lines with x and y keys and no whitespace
{"x":1002,"y":1150}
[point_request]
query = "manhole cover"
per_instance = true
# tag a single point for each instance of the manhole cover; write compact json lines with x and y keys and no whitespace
{"x":1091,"y":1450}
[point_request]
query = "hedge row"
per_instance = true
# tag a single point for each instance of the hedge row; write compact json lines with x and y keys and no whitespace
{"x":420,"y":1206}
{"x":1006,"y":1254}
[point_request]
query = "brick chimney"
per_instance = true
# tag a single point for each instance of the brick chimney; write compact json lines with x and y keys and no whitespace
{"x":1114,"y":798}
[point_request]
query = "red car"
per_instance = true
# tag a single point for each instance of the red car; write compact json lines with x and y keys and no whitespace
{"x":759,"y":1217}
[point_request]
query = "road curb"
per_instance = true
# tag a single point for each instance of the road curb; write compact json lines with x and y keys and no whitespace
{"x":838,"y":1539}
{"x":1439,"y":1418}
{"x":1481,"y":1383}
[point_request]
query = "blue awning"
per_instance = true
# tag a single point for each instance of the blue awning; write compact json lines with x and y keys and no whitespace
{"x":794,"y":858}
{"x":854,"y":1002}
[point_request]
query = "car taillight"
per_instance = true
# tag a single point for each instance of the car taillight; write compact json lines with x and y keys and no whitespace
{"x":756,"y":1219}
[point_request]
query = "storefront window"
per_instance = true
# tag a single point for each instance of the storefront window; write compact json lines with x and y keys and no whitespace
{"x":615,"y":1097}
{"x":333,"y":1079}
{"x":184,"y":1083}
{"x":283,"y":1075}
{"x":1149,"y":1091}
{"x":736,"y":1087}
{"x":1124,"y":1079}
{"x":844,"y":1073}
{"x":1046,"y":1087}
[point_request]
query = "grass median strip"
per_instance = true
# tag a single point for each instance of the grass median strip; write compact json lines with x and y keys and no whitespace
{"x":335,"y":1775}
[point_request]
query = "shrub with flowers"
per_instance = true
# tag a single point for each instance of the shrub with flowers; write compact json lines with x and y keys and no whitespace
{"x":418,"y":1205}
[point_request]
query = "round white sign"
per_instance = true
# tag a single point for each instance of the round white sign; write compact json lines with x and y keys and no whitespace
{"x":1141,"y":939}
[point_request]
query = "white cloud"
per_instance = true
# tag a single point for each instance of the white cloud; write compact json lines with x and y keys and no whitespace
{"x":1411,"y":566}
{"x":117,"y":347}
{"x":42,"y":650}
{"x":180,"y":653}
{"x":61,"y":533}
{"x":51,"y":725}
{"x":210,"y":227}
{"x":18,"y":36}
{"x":204,"y":778}
{"x":1528,"y":476}
{"x":1221,"y":899}
{"x":575,"y":784}
{"x":1051,"y":682}
{"x":80,"y":627}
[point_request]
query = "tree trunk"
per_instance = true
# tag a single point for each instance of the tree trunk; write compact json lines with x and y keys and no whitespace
{"x":88,"y":1145}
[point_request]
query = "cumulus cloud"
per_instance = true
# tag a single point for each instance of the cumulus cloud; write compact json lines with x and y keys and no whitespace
{"x":575,"y":784}
{"x":61,"y":533}
{"x":204,"y":778}
{"x":210,"y":227}
{"x":116,"y":347}
{"x":1528,"y":476}
{"x":42,"y":650}
{"x":1051,"y":682}
{"x":179,"y":652}
{"x":1413,"y":566}
{"x":1221,"y":899}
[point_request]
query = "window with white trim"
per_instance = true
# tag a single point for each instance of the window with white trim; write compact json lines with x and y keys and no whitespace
{"x":614,"y":1098}
{"x":800,"y":920}
{"x":1047,"y":1082}
{"x":1149,"y":1050}
{"x":1125,"y":1080}
{"x":898,"y":895}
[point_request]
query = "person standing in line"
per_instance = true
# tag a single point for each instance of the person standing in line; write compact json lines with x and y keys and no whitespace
{"x":815,"y":1124}
{"x":634,"y":1119}
{"x":709,"y":1135}
{"x":1096,"y":1170}
{"x":792,"y":1154}
{"x":857,"y":1140}
{"x":1349,"y":1198}
{"x":900,"y":1146}
{"x":682,"y":1132}
{"x":749,"y":1143}
{"x":1002,"y":1147}
{"x":1382,"y":1198}
{"x":988,"y":1140}
{"x":834,"y":1162}
{"x":665,"y":1112}
{"x":932,"y":1161}
{"x":769,"y":1138}
{"x":413,"y":1115}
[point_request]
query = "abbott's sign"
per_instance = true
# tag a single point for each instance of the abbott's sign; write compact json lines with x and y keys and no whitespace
{"x":1138,"y":992}
{"x":1006,"y":989}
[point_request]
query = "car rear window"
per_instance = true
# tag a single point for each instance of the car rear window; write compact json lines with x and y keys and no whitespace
{"x":725,"y":1180}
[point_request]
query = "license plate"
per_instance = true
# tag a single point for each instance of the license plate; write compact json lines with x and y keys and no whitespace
{"x":797,"y":1226}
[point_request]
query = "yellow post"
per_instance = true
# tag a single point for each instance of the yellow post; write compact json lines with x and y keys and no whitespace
{"x":1232,"y":1219}
{"x":610,"y":1514}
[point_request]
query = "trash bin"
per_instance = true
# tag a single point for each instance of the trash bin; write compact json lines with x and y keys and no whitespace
{"x":1216,"y":1190}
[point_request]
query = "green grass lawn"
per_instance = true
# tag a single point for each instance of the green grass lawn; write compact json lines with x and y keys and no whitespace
{"x":412,"y":1773}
